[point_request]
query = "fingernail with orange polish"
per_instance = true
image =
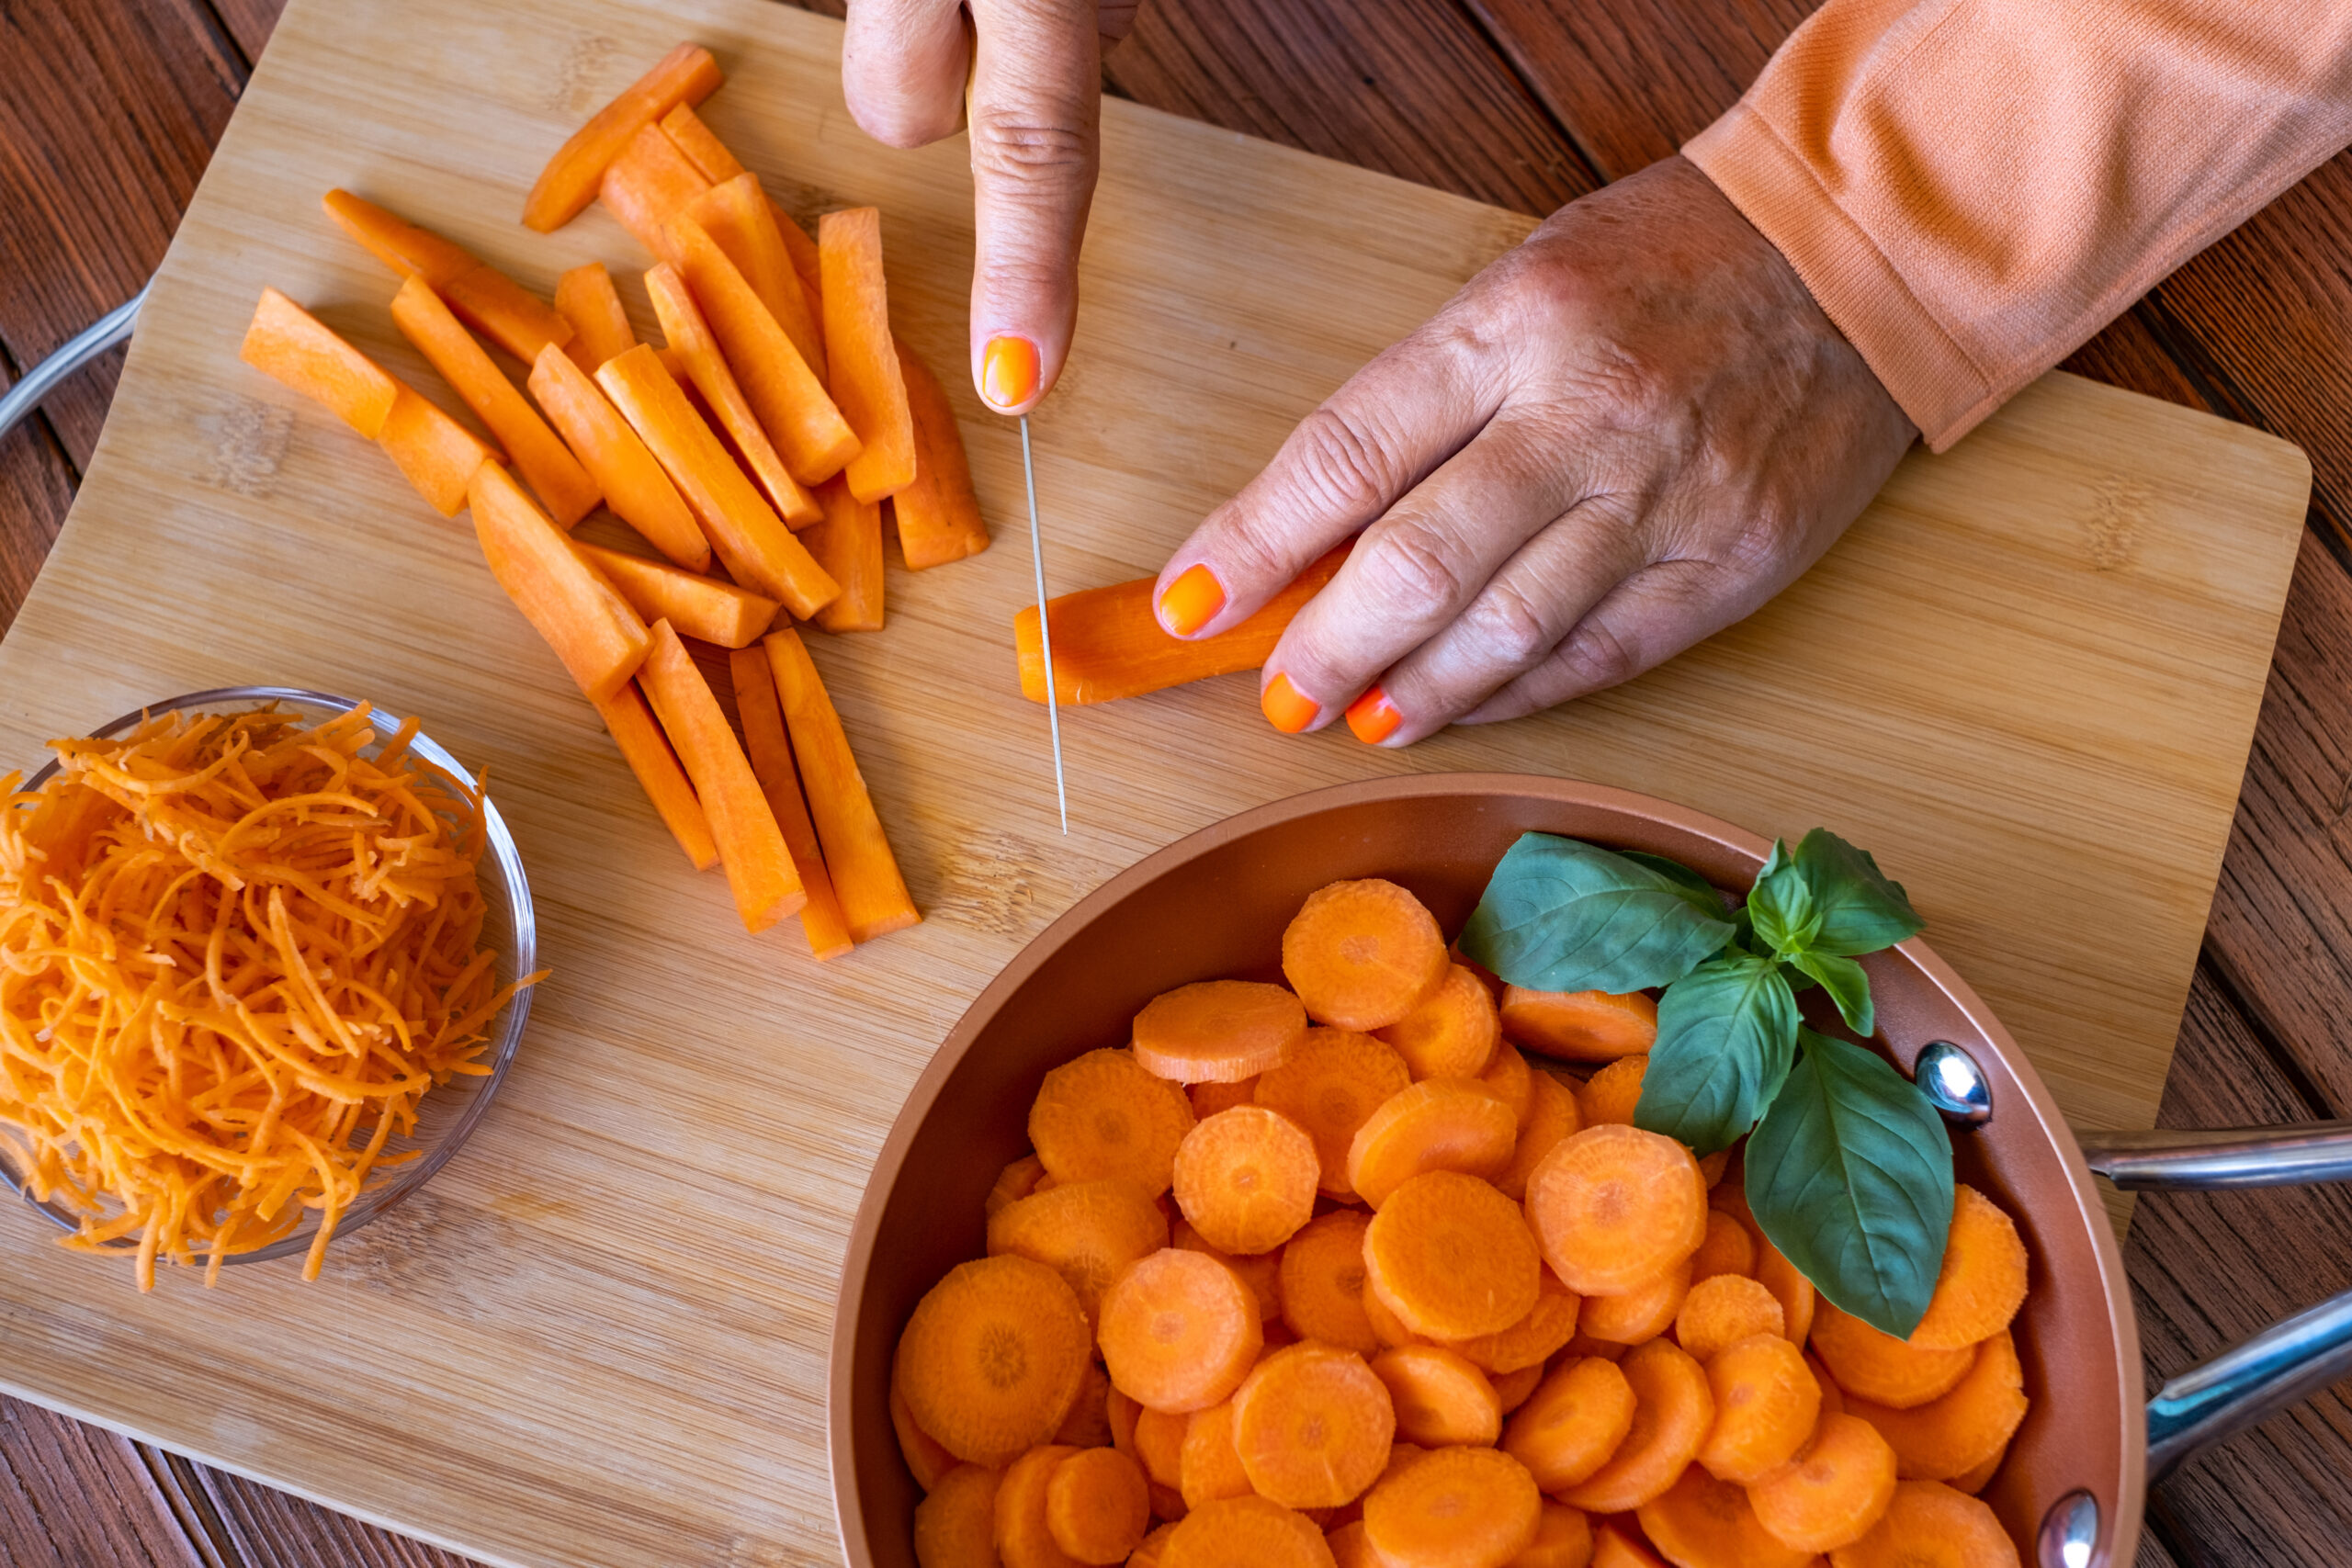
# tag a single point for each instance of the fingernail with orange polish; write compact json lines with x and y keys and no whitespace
{"x":1009,"y":371}
{"x":1373,"y":718}
{"x":1284,"y":708}
{"x":1192,"y":601}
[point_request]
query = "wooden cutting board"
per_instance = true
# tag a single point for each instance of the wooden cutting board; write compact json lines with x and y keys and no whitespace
{"x":2027,"y":680}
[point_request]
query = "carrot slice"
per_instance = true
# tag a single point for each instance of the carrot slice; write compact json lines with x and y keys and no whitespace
{"x":1441,"y":1397}
{"x":1101,"y":1117}
{"x":1730,"y":1247}
{"x":1350,"y":1548}
{"x":592,"y":629}
{"x":866,"y":874}
{"x":1983,"y":1282}
{"x":1451,"y":1036}
{"x":938,"y":517}
{"x":690,"y":335}
{"x":1552,"y":1115}
{"x":1012,"y":1183}
{"x":1312,"y":1425}
{"x":647,"y":752}
{"x":288,"y":343}
{"x":1550,"y":1324}
{"x":631,"y":478}
{"x":865,"y":379}
{"x":1509,"y":1076}
{"x":1608,"y":1096}
{"x":1363,"y":954}
{"x":1880,"y":1368}
{"x":1837,"y":1488}
{"x":847,"y":542}
{"x":649,"y":184}
{"x":993,"y":1358}
{"x":1833,"y":1398}
{"x":1614,"y":1207}
{"x":1514,"y":1389}
{"x":1108,"y":642}
{"x":1443,"y":1124}
{"x":1262,"y":1272}
{"x":1975,"y":1481}
{"x":764,"y":741}
{"x":1953,"y":1434}
{"x":1455,"y":1508}
{"x":1158,"y":1438}
{"x":1563,"y":1540}
{"x":483,"y":298}
{"x":1217,"y":1030}
{"x":1330,"y":1083}
{"x":1098,"y":1505}
{"x":1147,"y":1555}
{"x":1245,"y":1532}
{"x":738,"y":217}
{"x":1702,"y":1522}
{"x":703,"y":607}
{"x":759,"y":551}
{"x":1323,"y":1281}
{"x":1582,"y":1026}
{"x":956,"y":1525}
{"x":554,"y":473}
{"x":1577,"y":1419}
{"x":687,"y":75}
{"x":1640,"y":1315}
{"x":1930,"y":1526}
{"x":1208,"y":1099}
{"x":1451,"y":1257}
{"x":1179,"y":1332}
{"x":1792,"y":1290}
{"x":1616,"y":1546}
{"x":1023,"y":1537}
{"x":1088,"y":1425}
{"x":1209,"y":1467}
{"x":585,"y":297}
{"x":1385,"y":1325}
{"x":926,"y":1457}
{"x":1766,"y":1404}
{"x":1246,"y":1179}
{"x":434,"y":452}
{"x":1085,"y":1231}
{"x":1673,"y":1410}
{"x":1722,"y":1310}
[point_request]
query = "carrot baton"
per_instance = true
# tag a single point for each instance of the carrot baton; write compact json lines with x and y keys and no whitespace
{"x":687,"y":75}
{"x":634,"y":485}
{"x":1108,"y":644}
{"x":689,"y":334}
{"x":848,"y":544}
{"x":647,"y":184}
{"x":798,"y":414}
{"x":585,"y":297}
{"x":484,"y":298}
{"x":593,"y":630}
{"x":697,"y":606}
{"x":866,"y":874}
{"x":702,"y":147}
{"x":434,"y":452}
{"x":286,"y":342}
{"x":647,"y":752}
{"x":759,"y":868}
{"x":741,"y":222}
{"x":865,"y":381}
{"x":938,"y":517}
{"x":803,"y":251}
{"x":771,"y":753}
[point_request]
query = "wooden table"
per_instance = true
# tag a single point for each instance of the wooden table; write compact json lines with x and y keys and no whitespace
{"x":112,"y":109}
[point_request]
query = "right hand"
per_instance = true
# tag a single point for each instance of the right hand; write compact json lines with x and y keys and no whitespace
{"x":1035,"y":69}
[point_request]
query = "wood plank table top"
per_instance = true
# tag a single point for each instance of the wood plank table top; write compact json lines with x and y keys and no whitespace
{"x":110,"y":113}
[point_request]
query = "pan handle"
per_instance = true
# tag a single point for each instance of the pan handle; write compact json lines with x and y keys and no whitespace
{"x":2283,"y":1365}
{"x":2224,"y":1156}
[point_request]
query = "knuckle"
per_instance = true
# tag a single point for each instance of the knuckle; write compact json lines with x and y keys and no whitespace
{"x":1509,"y":626}
{"x":1597,"y":655}
{"x":1343,"y":465}
{"x":1411,"y":568}
{"x":896,"y":122}
{"x":1047,"y":153}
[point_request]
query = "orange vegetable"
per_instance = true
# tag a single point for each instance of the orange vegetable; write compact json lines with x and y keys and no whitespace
{"x":1673,"y":1411}
{"x":1209,"y":1467}
{"x":1217,"y":1030}
{"x":858,"y":345}
{"x":630,"y":477}
{"x":1208,"y":1099}
{"x":993,"y":1358}
{"x":1509,"y":1076}
{"x":1552,"y":1116}
{"x":1455,"y":1508}
{"x":925,"y":1458}
{"x":1443,"y":1124}
{"x":847,"y":542}
{"x":1147,"y":1555}
{"x":585,"y":297}
{"x":1953,"y":1434}
{"x":1363,"y":954}
{"x":1728,"y":1249}
{"x":434,"y":452}
{"x":1766,"y":1404}
{"x":1440,"y":1398}
{"x":866,"y":874}
{"x":1098,"y":1505}
{"x":1323,"y":1281}
{"x":1984,"y":1277}
{"x":1614,"y":1547}
{"x":554,"y":473}
{"x":764,"y":743}
{"x":1451,"y":1036}
{"x":1245,"y":1532}
{"x":1880,"y":1368}
{"x":1700,"y":1522}
{"x":1640,"y":1315}
{"x":1262,"y":1272}
{"x":1582,"y":1026}
{"x":706,"y":608}
{"x":805,"y":260}
{"x":1385,"y":1325}
{"x":592,"y":629}
{"x":1330,"y":1083}
{"x":956,"y":1525}
{"x":1013,"y":1182}
{"x":1839,"y":1486}
{"x":1158,"y":1438}
{"x":1108,"y":644}
{"x":1723,"y":1309}
{"x":1792,"y":1290}
{"x":1930,"y":1526}
{"x":1975,"y":1481}
{"x":1348,"y":1547}
{"x":483,"y":298}
{"x":1563,"y":1540}
{"x":1179,"y":1332}
{"x":938,"y":517}
{"x":754,"y":543}
{"x":1608,"y":1096}
{"x":1550,"y":1324}
{"x":647,"y":752}
{"x":1614,"y":1207}
{"x":690,"y":336}
{"x":1312,"y":1425}
{"x":288,"y":343}
{"x":1514,"y":1389}
{"x":1246,"y":1179}
{"x":1100,"y":1117}
{"x":1577,"y":1419}
{"x":737,"y":216}
{"x":1088,"y":1425}
{"x":1833,"y":1399}
{"x":1085,"y":1231}
{"x":687,"y":75}
{"x":1451,"y":1257}
{"x":651,"y":183}
{"x":759,"y":867}
{"x":1023,"y":1537}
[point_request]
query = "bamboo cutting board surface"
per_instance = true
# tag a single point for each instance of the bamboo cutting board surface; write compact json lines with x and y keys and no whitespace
{"x":2027,"y":680}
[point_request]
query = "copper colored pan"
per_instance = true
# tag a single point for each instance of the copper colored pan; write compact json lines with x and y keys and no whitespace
{"x":1215,"y":903}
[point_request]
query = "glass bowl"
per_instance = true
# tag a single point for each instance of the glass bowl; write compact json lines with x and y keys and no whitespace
{"x":449,"y":1113}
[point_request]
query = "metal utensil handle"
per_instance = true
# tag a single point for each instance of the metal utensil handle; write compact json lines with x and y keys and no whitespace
{"x":2283,"y":1365}
{"x":2224,"y":1156}
{"x":76,"y":352}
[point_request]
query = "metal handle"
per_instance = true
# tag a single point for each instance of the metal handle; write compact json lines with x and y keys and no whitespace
{"x":2283,"y":1365}
{"x":2224,"y":1156}
{"x":76,"y":352}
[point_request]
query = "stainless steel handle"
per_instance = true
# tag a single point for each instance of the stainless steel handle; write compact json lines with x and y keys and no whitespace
{"x":2224,"y":1156}
{"x":76,"y":352}
{"x":2283,"y":1365}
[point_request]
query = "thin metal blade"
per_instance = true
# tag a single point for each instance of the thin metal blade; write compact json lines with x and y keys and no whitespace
{"x":1045,"y":629}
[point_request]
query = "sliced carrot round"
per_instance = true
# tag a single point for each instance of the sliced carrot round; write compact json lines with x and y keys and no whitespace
{"x":1208,"y":1466}
{"x":1615,"y":1207}
{"x":1148,"y":1555}
{"x":1673,"y":1410}
{"x":1217,"y":1030}
{"x":1573,"y":1423}
{"x":1724,"y":1310}
{"x":1880,"y":1368}
{"x":1615,"y":1545}
{"x":1015,"y":1182}
{"x":926,"y":1459}
{"x":1931,"y":1526}
{"x":1385,"y":1325}
{"x":1208,"y":1099}
{"x":1791,"y":1289}
{"x":1833,"y":1398}
{"x":1552,"y":1115}
{"x":1439,"y":1397}
{"x":1313,"y":1426}
{"x":1023,"y":1537}
{"x":1363,"y":954}
{"x":1610,"y":1094}
{"x":1728,"y":1249}
{"x":1983,"y":1282}
{"x":1323,"y":1282}
{"x":1451,"y":1257}
{"x":1246,"y":1179}
{"x":1085,"y":1231}
{"x":1102,"y":1117}
{"x":1700,"y":1522}
{"x":1513,"y":1081}
{"x":1245,"y":1532}
{"x":1179,"y":1331}
{"x":1515,"y":1389}
{"x":1348,"y":1547}
{"x":1464,"y":1507}
{"x":1581,"y":1026}
{"x":993,"y":1357}
{"x":1640,"y":1315}
{"x":1563,"y":1540}
{"x":1159,"y":1441}
{"x":1834,"y":1490}
{"x":1262,"y":1271}
{"x":1443,"y":1124}
{"x":1451,"y":1036}
{"x":1097,"y":1505}
{"x":1952,"y":1436}
{"x":1975,"y":1481}
{"x":1088,"y":1425}
{"x":1534,"y":1339}
{"x":956,"y":1523}
{"x":1766,"y":1404}
{"x":1330,"y":1084}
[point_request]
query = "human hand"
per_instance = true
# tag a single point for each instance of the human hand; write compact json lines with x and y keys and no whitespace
{"x":1035,"y":69}
{"x":1618,"y":439}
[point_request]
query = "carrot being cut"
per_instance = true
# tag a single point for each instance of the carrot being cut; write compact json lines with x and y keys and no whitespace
{"x":865,"y":366}
{"x":1451,"y":1036}
{"x":1728,"y":1249}
{"x":593,"y":630}
{"x":1440,"y":1398}
{"x":1983,"y":1282}
{"x":690,"y":336}
{"x":1330,"y":1083}
{"x":1582,"y":1026}
{"x":1931,"y":1526}
{"x":1455,"y":1508}
{"x":758,"y":550}
{"x":1101,"y":1117}
{"x":1246,"y":1179}
{"x":288,"y":343}
{"x":687,"y":75}
{"x":770,"y":751}
{"x":1217,"y":1030}
{"x":1766,"y":1404}
{"x":1549,"y":1324}
{"x":647,"y":752}
{"x":649,"y":184}
{"x":619,"y":461}
{"x":1953,"y":1434}
{"x":1451,"y":1257}
{"x":563,"y":487}
{"x":1322,"y":1283}
{"x":1312,"y":1425}
{"x":483,"y":298}
{"x":1552,"y":1116}
{"x":741,"y":220}
{"x":1443,"y":1124}
{"x":1574,"y":1422}
{"x":433,"y":452}
{"x":866,"y":874}
{"x":938,"y":517}
{"x":706,"y":608}
{"x":759,"y":867}
{"x":585,"y":297}
{"x":1098,"y":1505}
{"x":1878,"y":1367}
{"x":1361,"y":955}
{"x":1608,"y":1096}
{"x":955,"y":1524}
{"x":1084,"y":1231}
{"x":847,"y":542}
{"x":1673,"y":1410}
{"x":1245,"y":1532}
{"x":1638,"y":1316}
{"x":1703,"y":1522}
{"x":1833,"y":1492}
{"x":1179,"y":1331}
{"x":1614,"y":1207}
{"x":1722,"y":1310}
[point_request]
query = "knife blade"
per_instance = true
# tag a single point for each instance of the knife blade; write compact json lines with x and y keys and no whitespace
{"x":1045,"y":629}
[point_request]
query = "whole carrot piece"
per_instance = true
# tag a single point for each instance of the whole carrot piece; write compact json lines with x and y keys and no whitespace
{"x":865,"y":381}
{"x":865,"y":874}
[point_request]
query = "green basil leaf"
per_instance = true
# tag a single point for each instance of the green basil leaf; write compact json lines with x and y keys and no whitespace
{"x":1847,"y":985}
{"x":1727,"y":1035}
{"x":1782,"y":904}
{"x":1860,"y":908}
{"x":1849,"y":1175}
{"x":1702,"y":893}
{"x":1563,"y":915}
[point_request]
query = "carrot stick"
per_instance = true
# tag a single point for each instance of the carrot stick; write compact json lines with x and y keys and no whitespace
{"x":484,"y":298}
{"x":687,"y":75}
{"x":554,"y":474}
{"x":739,"y":218}
{"x":647,"y":752}
{"x":939,"y":518}
{"x":599,"y":638}
{"x":872,"y":894}
{"x":1108,"y":644}
{"x":758,"y":549}
{"x":434,"y":452}
{"x":647,"y":184}
{"x":848,"y":545}
{"x":689,"y":334}
{"x":702,"y":148}
{"x":600,"y":326}
{"x":799,"y":417}
{"x":288,"y":343}
{"x":750,"y":846}
{"x":770,"y":754}
{"x":706,"y":608}
{"x":805,"y":261}
{"x":865,"y":381}
{"x":631,"y":478}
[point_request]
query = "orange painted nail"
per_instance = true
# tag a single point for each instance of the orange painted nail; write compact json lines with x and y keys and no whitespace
{"x":1192,"y":601}
{"x":1284,"y":708}
{"x":1009,"y":371}
{"x":1373,"y":718}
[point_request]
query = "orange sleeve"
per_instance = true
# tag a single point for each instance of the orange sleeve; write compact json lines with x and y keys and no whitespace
{"x":1972,"y":188}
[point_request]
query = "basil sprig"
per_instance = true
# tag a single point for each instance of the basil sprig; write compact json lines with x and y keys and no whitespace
{"x":1849,"y":1171}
